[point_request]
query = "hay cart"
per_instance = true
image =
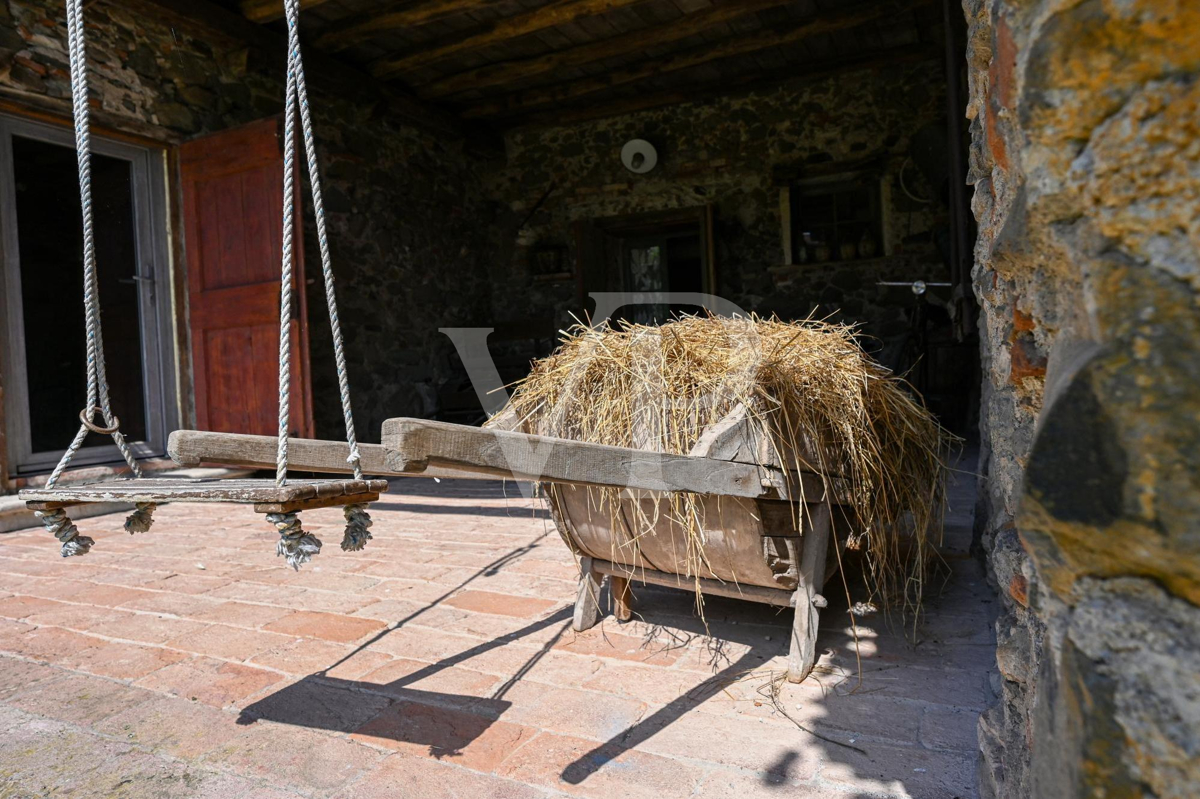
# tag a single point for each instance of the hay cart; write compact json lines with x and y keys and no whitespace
{"x":766,"y":530}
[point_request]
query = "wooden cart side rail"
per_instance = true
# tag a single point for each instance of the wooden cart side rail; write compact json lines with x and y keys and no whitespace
{"x":415,"y":444}
{"x":421,"y":448}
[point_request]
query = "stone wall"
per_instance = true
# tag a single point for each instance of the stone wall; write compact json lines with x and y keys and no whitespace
{"x":402,"y":202}
{"x":1086,"y":167}
{"x":730,"y":152}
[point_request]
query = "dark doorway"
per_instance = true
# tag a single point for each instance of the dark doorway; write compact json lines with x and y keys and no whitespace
{"x":43,"y":347}
{"x":51,"y":238}
{"x":668,"y":251}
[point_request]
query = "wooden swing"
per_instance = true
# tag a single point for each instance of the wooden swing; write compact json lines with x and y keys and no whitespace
{"x":280,"y":499}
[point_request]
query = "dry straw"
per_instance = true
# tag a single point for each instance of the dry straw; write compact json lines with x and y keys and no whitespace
{"x":816,"y":399}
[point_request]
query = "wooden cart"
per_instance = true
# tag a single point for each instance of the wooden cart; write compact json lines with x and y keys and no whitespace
{"x":760,"y":544}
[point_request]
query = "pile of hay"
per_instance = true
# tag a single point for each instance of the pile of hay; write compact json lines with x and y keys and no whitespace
{"x":813,"y":394}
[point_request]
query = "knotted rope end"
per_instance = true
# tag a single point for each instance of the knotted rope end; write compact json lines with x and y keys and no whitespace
{"x":140,"y":520}
{"x":357,"y":523}
{"x":58,"y":524}
{"x":294,"y":544}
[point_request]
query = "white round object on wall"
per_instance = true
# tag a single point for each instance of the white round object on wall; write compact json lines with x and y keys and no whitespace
{"x":639,"y":156}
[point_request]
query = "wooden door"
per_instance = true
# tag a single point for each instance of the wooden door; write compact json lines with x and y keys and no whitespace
{"x":233,"y":218}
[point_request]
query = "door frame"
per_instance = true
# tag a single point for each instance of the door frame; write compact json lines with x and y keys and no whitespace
{"x":152,"y":235}
{"x":592,"y":236}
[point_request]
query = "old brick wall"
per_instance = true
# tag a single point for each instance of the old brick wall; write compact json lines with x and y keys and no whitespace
{"x":1086,"y":167}
{"x":402,"y":203}
{"x":729,"y":152}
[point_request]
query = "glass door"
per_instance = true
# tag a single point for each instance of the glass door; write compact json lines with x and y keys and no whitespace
{"x":43,"y":348}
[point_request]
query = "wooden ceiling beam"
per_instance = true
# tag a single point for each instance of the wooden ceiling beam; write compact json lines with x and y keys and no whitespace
{"x":743,"y":83}
{"x":622,"y":44}
{"x":348,"y":32}
{"x":531,"y":99}
{"x":556,"y":12}
{"x":263,"y":11}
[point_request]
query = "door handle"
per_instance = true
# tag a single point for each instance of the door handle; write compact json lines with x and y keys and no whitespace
{"x":139,"y":280}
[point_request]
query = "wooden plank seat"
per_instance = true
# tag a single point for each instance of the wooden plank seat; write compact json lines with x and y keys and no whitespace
{"x":281,"y":504}
{"x":264,"y":494}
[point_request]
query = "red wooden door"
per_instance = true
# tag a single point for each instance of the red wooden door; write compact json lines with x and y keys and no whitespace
{"x":233,"y":216}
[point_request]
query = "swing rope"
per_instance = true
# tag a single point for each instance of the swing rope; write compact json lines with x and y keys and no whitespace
{"x":297,"y":96}
{"x":294,"y":543}
{"x":297,"y":545}
{"x":97,"y":378}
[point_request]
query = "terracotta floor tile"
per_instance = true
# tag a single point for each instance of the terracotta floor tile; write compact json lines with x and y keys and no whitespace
{"x":228,"y":643}
{"x":122,"y":661}
{"x":586,"y":768}
{"x":407,"y":775}
{"x":212,"y":682}
{"x":500,"y":604}
{"x":327,"y":626}
{"x":304,"y":656}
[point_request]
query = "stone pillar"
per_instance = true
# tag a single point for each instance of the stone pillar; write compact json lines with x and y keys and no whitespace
{"x":1085,"y":120}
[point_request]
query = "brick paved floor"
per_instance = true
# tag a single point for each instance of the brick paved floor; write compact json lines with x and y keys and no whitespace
{"x":189,"y":662}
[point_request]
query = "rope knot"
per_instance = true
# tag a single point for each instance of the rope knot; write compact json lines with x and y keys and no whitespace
{"x":140,"y":520}
{"x":61,"y":527}
{"x":357,"y":521}
{"x":294,"y":544}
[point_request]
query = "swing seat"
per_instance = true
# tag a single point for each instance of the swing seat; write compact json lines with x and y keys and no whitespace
{"x":264,"y":494}
{"x":281,"y":504}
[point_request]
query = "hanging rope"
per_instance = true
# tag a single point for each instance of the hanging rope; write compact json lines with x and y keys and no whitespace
{"x":97,"y":379}
{"x":294,"y":544}
{"x":297,"y":96}
{"x":57,"y":521}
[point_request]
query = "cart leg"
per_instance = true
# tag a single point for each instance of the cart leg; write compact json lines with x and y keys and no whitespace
{"x":587,"y":603}
{"x":808,"y":599}
{"x":622,"y":597}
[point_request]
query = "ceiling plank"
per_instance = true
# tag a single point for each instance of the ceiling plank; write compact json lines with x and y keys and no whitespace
{"x":557,"y":12}
{"x":262,"y":11}
{"x":816,"y":70}
{"x":348,"y":32}
{"x":636,"y":41}
{"x":522,"y":102}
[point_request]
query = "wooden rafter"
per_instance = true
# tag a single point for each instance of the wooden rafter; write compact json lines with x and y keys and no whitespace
{"x":622,"y":44}
{"x":811,"y":71}
{"x":522,"y":102}
{"x":362,"y":26}
{"x":557,"y":12}
{"x":270,"y":10}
